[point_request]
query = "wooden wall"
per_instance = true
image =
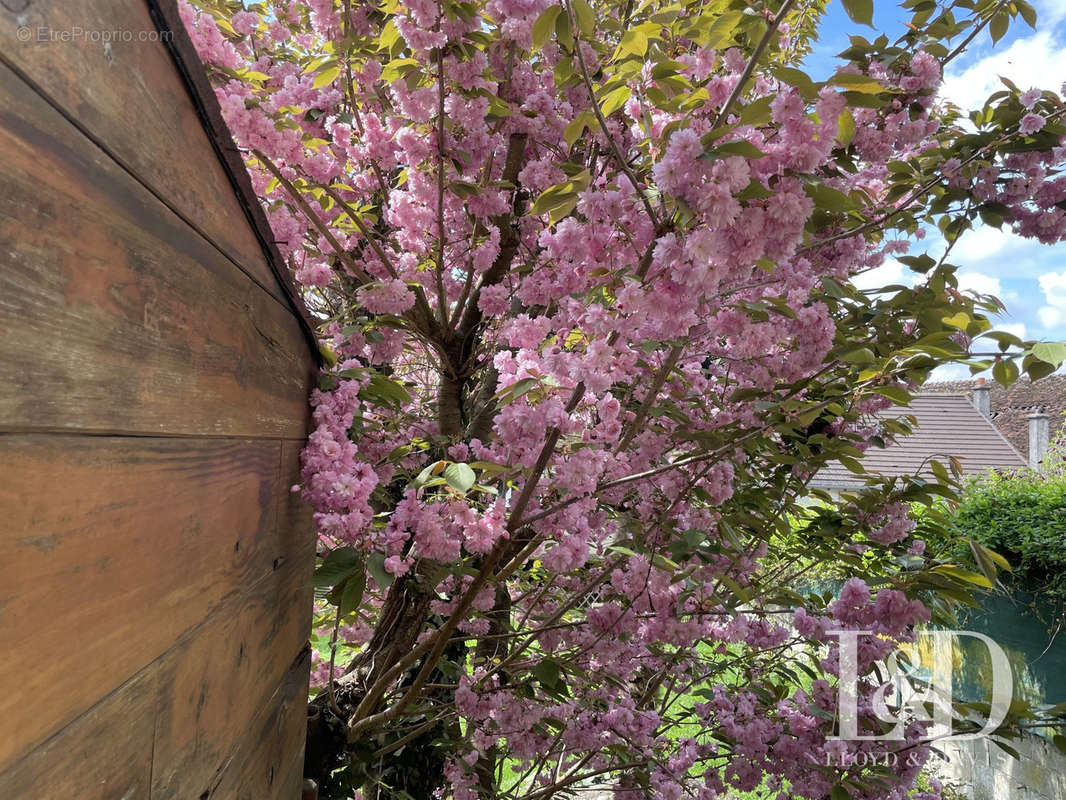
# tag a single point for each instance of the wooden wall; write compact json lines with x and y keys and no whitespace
{"x":154,"y":372}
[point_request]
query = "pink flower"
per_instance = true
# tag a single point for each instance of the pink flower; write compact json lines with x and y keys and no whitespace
{"x":1031,"y":123}
{"x":386,"y":297}
{"x":245,"y":22}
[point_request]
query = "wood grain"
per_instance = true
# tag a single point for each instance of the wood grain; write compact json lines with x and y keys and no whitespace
{"x":223,"y":681}
{"x":267,"y":760}
{"x":104,"y":755}
{"x":129,"y":97}
{"x":112,"y":549}
{"x":153,"y":609}
{"x":116,"y":316}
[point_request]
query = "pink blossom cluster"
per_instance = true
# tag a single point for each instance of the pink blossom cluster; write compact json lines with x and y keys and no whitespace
{"x":614,"y":361}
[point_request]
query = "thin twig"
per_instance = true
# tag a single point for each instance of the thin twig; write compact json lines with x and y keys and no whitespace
{"x":749,"y":68}
{"x":977,"y":29}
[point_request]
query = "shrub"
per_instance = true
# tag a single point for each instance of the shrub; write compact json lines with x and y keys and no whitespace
{"x":1022,"y":516}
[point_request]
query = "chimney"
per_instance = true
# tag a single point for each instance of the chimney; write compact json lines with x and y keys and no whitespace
{"x":982,"y":397}
{"x":1039,"y":437}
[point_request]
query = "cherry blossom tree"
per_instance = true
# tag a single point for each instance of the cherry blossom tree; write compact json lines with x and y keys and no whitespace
{"x":585,"y":278}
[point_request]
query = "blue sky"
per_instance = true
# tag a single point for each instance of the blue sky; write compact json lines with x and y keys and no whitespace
{"x":1028,"y":277}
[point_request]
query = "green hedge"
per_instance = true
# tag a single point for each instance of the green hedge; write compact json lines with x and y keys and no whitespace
{"x":1022,"y":517}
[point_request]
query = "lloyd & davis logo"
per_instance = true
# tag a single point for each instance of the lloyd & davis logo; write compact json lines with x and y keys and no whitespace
{"x":916,"y":689}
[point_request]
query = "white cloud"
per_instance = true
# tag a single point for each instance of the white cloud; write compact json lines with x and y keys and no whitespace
{"x":888,"y":273}
{"x":1050,"y":317}
{"x":1030,"y":61}
{"x":1049,"y":12}
{"x":980,"y":283}
{"x":982,"y":243}
{"x":1054,"y":286}
{"x":1053,"y":315}
{"x":1017,"y":328}
{"x":950,"y":372}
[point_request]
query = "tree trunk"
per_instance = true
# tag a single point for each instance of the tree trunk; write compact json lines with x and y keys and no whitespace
{"x":403,"y":617}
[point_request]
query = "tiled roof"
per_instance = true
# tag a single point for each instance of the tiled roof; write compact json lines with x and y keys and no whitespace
{"x":947,"y":425}
{"x":1011,"y":407}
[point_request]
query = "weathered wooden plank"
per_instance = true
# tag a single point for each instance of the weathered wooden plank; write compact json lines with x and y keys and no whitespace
{"x":225,"y":681}
{"x":104,"y":755}
{"x":103,"y":63}
{"x":116,"y":316}
{"x":258,"y":754}
{"x":268,"y":760}
{"x":222,"y":683}
{"x":112,"y":549}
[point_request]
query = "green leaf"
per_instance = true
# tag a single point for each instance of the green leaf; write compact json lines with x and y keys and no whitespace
{"x":953,"y":571}
{"x":1004,"y":339}
{"x":390,"y":34}
{"x":1035,"y":368}
{"x":998,"y":26}
{"x":860,"y":355}
{"x":741,"y":147}
{"x":326,"y":77}
{"x":564,"y":34}
{"x":463,"y":189}
{"x":1005,"y":372}
{"x":1051,"y":352}
{"x":573,"y":131}
{"x":385,"y":391}
{"x":757,"y":112}
{"x":338,"y":565}
{"x":516,"y":390}
{"x":862,"y":12}
{"x":1027,"y":11}
{"x":828,"y":198}
{"x":436,"y":468}
{"x":460,"y":477}
{"x":586,"y":17}
{"x":1006,"y":748}
{"x":753,"y":191}
{"x":635,"y":42}
{"x":376,"y":566}
{"x":721,"y":31}
{"x":960,"y":321}
{"x":845,"y":128}
{"x":852,"y":464}
{"x":799,"y":79}
{"x":839,"y":793}
{"x":351,"y":595}
{"x":547,"y":673}
{"x":397,"y":68}
{"x":328,"y":356}
{"x":851,"y":82}
{"x":989,"y":561}
{"x":662,"y":562}
{"x":557,"y":201}
{"x":614,"y":100}
{"x":897,"y":394}
{"x":544,"y":27}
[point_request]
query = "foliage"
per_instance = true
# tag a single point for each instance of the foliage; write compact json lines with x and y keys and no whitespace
{"x":584,"y":275}
{"x":1021,"y":516}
